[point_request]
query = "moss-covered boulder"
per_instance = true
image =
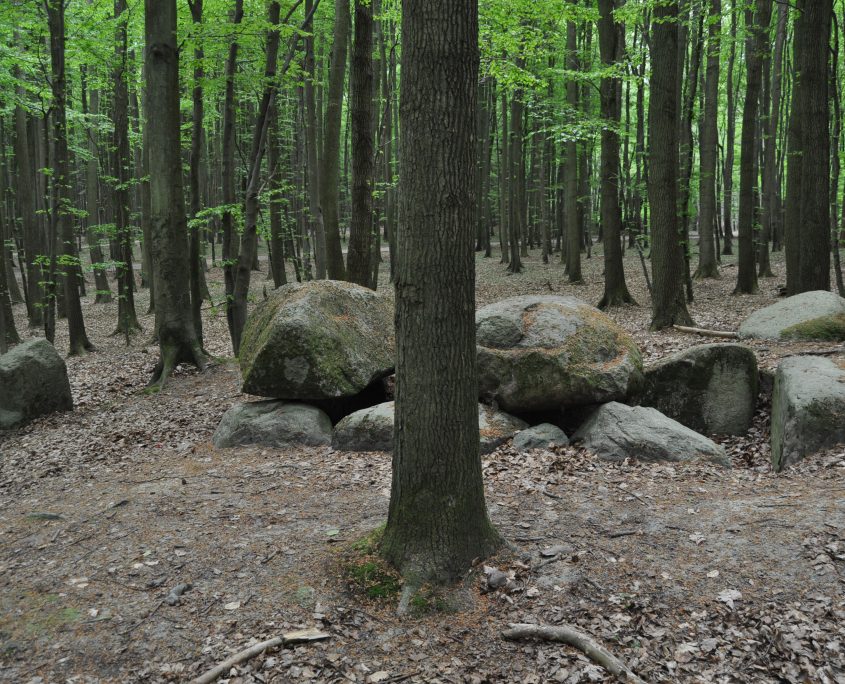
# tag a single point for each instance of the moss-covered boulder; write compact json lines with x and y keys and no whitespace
{"x":615,"y":432}
{"x":371,"y":429}
{"x":33,"y":382}
{"x":540,"y":353}
{"x":808,"y":408}
{"x":274,"y":424}
{"x":318,"y":340}
{"x":816,"y":315}
{"x":711,"y":388}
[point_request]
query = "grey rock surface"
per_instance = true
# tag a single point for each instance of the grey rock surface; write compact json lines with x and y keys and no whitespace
{"x":274,"y":424}
{"x":540,"y":437}
{"x":371,"y":429}
{"x":317,"y":340}
{"x":616,"y":431}
{"x":809,"y":315}
{"x":711,"y":388}
{"x":33,"y":382}
{"x":808,"y":408}
{"x":538,"y":353}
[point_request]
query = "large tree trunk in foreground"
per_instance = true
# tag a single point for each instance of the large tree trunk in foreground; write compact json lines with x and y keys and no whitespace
{"x":361,"y":106}
{"x":62,"y":202}
{"x":611,"y":41}
{"x":669,"y":306}
{"x":437,"y":522}
{"x":177,"y":338}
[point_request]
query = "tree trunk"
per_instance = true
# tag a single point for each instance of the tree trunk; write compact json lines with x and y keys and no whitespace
{"x":808,"y":233}
{"x":517,"y":182}
{"x":437,"y":522}
{"x":572,"y":253}
{"x":178,"y":341}
{"x":330,"y":162}
{"x":611,"y":43}
{"x":62,"y":202}
{"x":730,"y":142}
{"x":756,"y":29}
{"x":361,"y":112}
{"x":707,"y":267}
{"x":668,"y":303}
{"x":197,"y":273}
{"x":277,"y":229}
{"x":127,"y":321}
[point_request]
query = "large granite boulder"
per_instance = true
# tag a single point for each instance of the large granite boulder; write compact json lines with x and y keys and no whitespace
{"x":33,"y":382}
{"x":711,"y":389}
{"x":808,"y":408}
{"x":371,"y":429}
{"x":274,"y":424}
{"x":540,"y":436}
{"x":817,"y":315}
{"x":616,"y":432}
{"x":540,"y":353}
{"x":317,"y":340}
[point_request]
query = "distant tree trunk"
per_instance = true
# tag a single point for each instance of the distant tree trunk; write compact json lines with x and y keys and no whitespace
{"x":517,"y":182}
{"x":730,"y":142}
{"x":197,"y":273}
{"x":611,"y":42}
{"x":437,"y":522}
{"x":62,"y":202}
{"x":707,"y":267}
{"x":756,"y":28}
{"x":178,"y":341}
{"x":91,"y":107}
{"x":361,"y":113}
{"x":330,"y":162}
{"x":572,"y":254}
{"x":229,"y":248}
{"x":127,"y":320}
{"x":312,"y":162}
{"x":771,"y":187}
{"x":33,"y":242}
{"x":8,"y":331}
{"x":504,"y":176}
{"x":808,"y":228}
{"x":668,"y":302}
{"x":277,"y":230}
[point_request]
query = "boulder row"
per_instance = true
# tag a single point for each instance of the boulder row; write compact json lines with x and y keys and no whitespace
{"x":33,"y":382}
{"x":371,"y":429}
{"x":539,"y":353}
{"x":540,"y":436}
{"x":273,"y":424}
{"x":816,"y":315}
{"x":711,"y":388}
{"x":321,"y":339}
{"x":808,"y":408}
{"x":616,"y":432}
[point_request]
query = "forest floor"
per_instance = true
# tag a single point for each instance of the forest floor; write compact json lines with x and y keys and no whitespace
{"x":690,"y":573}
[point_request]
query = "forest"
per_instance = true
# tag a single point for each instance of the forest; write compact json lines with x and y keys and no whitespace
{"x":422,"y":341}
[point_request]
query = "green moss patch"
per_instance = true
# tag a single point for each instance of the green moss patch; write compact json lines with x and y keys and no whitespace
{"x":366,"y":573}
{"x":829,"y":328}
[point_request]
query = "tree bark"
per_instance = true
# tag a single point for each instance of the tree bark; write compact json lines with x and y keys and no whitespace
{"x":668,"y":302}
{"x":707,"y":267}
{"x":361,"y":113}
{"x":127,"y":320}
{"x":730,"y":142}
{"x":197,"y":273}
{"x":177,"y":338}
{"x":611,"y":43}
{"x":330,"y":162}
{"x":572,"y":253}
{"x":756,"y":28}
{"x":437,"y":521}
{"x":62,"y":202}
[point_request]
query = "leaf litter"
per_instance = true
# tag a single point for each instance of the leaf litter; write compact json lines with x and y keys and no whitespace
{"x":688,"y":572}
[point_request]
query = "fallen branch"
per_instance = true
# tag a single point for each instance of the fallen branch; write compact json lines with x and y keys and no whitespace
{"x":707,"y":333}
{"x":297,"y":637}
{"x":566,"y":634}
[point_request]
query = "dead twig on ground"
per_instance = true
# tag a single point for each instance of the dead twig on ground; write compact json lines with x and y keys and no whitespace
{"x":567,"y":634}
{"x":704,"y":332}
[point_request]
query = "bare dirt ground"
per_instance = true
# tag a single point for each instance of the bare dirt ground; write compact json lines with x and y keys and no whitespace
{"x":690,"y":573}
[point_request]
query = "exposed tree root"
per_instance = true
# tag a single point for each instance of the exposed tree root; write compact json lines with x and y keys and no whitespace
{"x":567,"y":634}
{"x":298,"y":637}
{"x":173,"y":354}
{"x":707,"y":333}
